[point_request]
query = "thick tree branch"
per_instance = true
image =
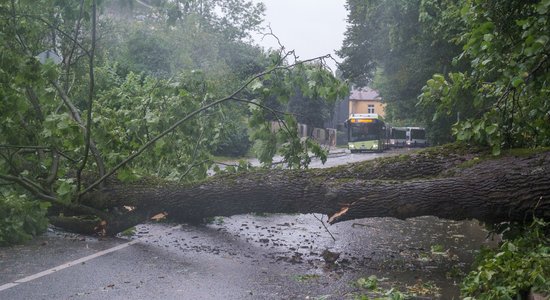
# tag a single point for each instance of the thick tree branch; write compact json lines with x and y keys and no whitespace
{"x":73,"y":47}
{"x":88,"y":130}
{"x":33,"y":99}
{"x":46,"y":148}
{"x":53,"y":169}
{"x":56,"y":28}
{"x":32,"y":188}
{"x":73,"y":111}
{"x":41,"y":194}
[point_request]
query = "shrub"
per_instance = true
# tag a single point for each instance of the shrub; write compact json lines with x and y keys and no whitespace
{"x":234,"y":143}
{"x":20,"y":218}
{"x":518,"y":266}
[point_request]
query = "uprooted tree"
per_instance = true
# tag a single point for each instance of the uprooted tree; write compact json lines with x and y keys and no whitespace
{"x":443,"y":182}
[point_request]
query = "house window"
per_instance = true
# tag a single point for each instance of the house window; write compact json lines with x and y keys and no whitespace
{"x":370,"y":109}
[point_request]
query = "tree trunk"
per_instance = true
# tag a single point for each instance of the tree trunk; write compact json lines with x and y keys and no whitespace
{"x":435,"y":182}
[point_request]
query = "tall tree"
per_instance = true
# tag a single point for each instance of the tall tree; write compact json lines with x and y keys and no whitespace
{"x":234,"y":19}
{"x":490,"y":62}
{"x":394,"y":46}
{"x":506,"y":44}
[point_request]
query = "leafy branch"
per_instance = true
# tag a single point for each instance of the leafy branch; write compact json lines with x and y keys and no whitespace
{"x":191,"y":115}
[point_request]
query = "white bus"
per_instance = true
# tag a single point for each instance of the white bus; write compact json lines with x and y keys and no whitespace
{"x":416,"y":137}
{"x":397,"y":136}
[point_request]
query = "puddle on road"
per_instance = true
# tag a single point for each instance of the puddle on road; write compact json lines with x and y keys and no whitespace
{"x":420,"y":252}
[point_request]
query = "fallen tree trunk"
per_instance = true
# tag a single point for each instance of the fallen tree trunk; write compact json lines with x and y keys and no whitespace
{"x":436,"y":182}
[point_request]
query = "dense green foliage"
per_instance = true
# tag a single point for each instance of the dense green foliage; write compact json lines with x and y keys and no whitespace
{"x":20,"y":218}
{"x":520,"y":265}
{"x":313,"y":110}
{"x":132,"y":110}
{"x":480,"y":68}
{"x":308,"y":83}
{"x":392,"y":46}
{"x":135,"y":90}
{"x":185,"y":35}
{"x":507,"y":46}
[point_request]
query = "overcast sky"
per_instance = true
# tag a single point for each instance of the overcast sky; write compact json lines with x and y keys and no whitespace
{"x":310,"y":27}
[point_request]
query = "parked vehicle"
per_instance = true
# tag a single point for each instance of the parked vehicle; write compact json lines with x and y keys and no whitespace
{"x":397,"y":136}
{"x":416,"y":137}
{"x":366,"y":132}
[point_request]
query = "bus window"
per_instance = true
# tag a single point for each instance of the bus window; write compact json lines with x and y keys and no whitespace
{"x":364,"y":132}
{"x":418,"y":134}
{"x":398,"y":134}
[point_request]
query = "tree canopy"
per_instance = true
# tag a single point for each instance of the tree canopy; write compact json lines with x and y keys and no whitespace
{"x":93,"y":89}
{"x":473,"y":70}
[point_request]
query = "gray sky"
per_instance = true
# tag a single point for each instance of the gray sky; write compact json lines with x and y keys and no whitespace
{"x":310,"y":27}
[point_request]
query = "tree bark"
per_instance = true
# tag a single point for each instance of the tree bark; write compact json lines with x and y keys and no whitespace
{"x":437,"y":182}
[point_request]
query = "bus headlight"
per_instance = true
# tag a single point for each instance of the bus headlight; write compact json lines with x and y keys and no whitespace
{"x":351,"y":146}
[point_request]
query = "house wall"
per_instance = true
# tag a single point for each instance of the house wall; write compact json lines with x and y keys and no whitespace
{"x":361,"y":107}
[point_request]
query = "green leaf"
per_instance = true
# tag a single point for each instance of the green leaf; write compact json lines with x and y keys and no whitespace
{"x":542,"y":40}
{"x":486,"y":62}
{"x":491,"y":129}
{"x":256,"y":85}
{"x":496,"y":150}
{"x":543,"y":6}
{"x":126,"y":175}
{"x":516,"y":82}
{"x":64,"y":188}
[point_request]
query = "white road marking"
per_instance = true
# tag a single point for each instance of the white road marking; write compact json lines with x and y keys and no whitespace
{"x":71,"y":263}
{"x":7,"y":286}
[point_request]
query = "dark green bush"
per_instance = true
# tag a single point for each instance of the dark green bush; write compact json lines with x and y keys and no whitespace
{"x":518,"y":266}
{"x":234,"y":142}
{"x":20,"y":219}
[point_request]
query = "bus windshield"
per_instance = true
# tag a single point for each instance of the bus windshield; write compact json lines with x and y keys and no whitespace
{"x":418,"y":134}
{"x":398,"y":133}
{"x":359,"y":132}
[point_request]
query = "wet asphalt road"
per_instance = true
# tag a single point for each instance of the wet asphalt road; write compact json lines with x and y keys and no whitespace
{"x":247,"y":257}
